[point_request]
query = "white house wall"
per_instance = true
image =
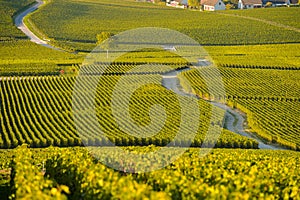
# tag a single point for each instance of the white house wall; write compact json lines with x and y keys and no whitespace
{"x":209,"y":8}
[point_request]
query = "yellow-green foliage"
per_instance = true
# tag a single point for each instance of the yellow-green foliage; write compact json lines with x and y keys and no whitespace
{"x":39,"y":111}
{"x":282,"y":56}
{"x":269,"y":97}
{"x":222,"y":174}
{"x":95,"y":181}
{"x":280,"y":15}
{"x":87,"y":18}
{"x":28,"y":181}
{"x":23,"y":57}
{"x":8,"y":10}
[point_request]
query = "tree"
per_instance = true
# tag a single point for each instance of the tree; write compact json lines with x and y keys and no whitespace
{"x":229,"y":6}
{"x":102,"y":40}
{"x":103,"y":36}
{"x":193,"y":3}
{"x":235,"y":2}
{"x":268,"y":4}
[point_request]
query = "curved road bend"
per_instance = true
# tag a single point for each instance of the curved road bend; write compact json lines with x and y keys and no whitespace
{"x":234,"y":120}
{"x":19,"y":22}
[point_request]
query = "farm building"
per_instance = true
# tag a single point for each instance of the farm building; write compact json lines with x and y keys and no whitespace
{"x":177,"y":3}
{"x":248,"y":4}
{"x":212,"y":5}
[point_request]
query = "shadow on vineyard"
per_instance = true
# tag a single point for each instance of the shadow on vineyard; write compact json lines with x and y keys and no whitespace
{"x":4,"y":186}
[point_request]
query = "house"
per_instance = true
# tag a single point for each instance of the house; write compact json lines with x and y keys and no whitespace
{"x":247,"y":4}
{"x":212,"y":5}
{"x":177,"y":3}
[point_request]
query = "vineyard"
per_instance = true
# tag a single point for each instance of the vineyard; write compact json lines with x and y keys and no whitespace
{"x":22,"y":57}
{"x":256,"y":84}
{"x":38,"y":111}
{"x":74,"y":127}
{"x":19,"y":56}
{"x":277,"y":121}
{"x":74,"y":25}
{"x":283,"y":56}
{"x":7,"y":12}
{"x":73,"y":173}
{"x":269,"y":97}
{"x":278,"y":15}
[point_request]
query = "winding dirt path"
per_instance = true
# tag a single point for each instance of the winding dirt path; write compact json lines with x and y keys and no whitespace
{"x":19,"y":22}
{"x":234,"y":120}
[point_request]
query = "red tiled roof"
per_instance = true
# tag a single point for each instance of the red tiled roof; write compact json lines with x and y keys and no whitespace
{"x":251,"y":2}
{"x":209,"y":2}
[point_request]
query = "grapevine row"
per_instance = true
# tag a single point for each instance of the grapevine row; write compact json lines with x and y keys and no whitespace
{"x":269,"y":97}
{"x":39,"y":111}
{"x":241,"y":174}
{"x":28,"y":181}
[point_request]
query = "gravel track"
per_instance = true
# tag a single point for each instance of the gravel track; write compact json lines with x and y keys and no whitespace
{"x":234,"y":119}
{"x":19,"y":23}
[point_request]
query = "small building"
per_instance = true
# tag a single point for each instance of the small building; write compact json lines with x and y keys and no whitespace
{"x":212,"y":5}
{"x":169,"y":47}
{"x":248,"y":4}
{"x":177,"y":3}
